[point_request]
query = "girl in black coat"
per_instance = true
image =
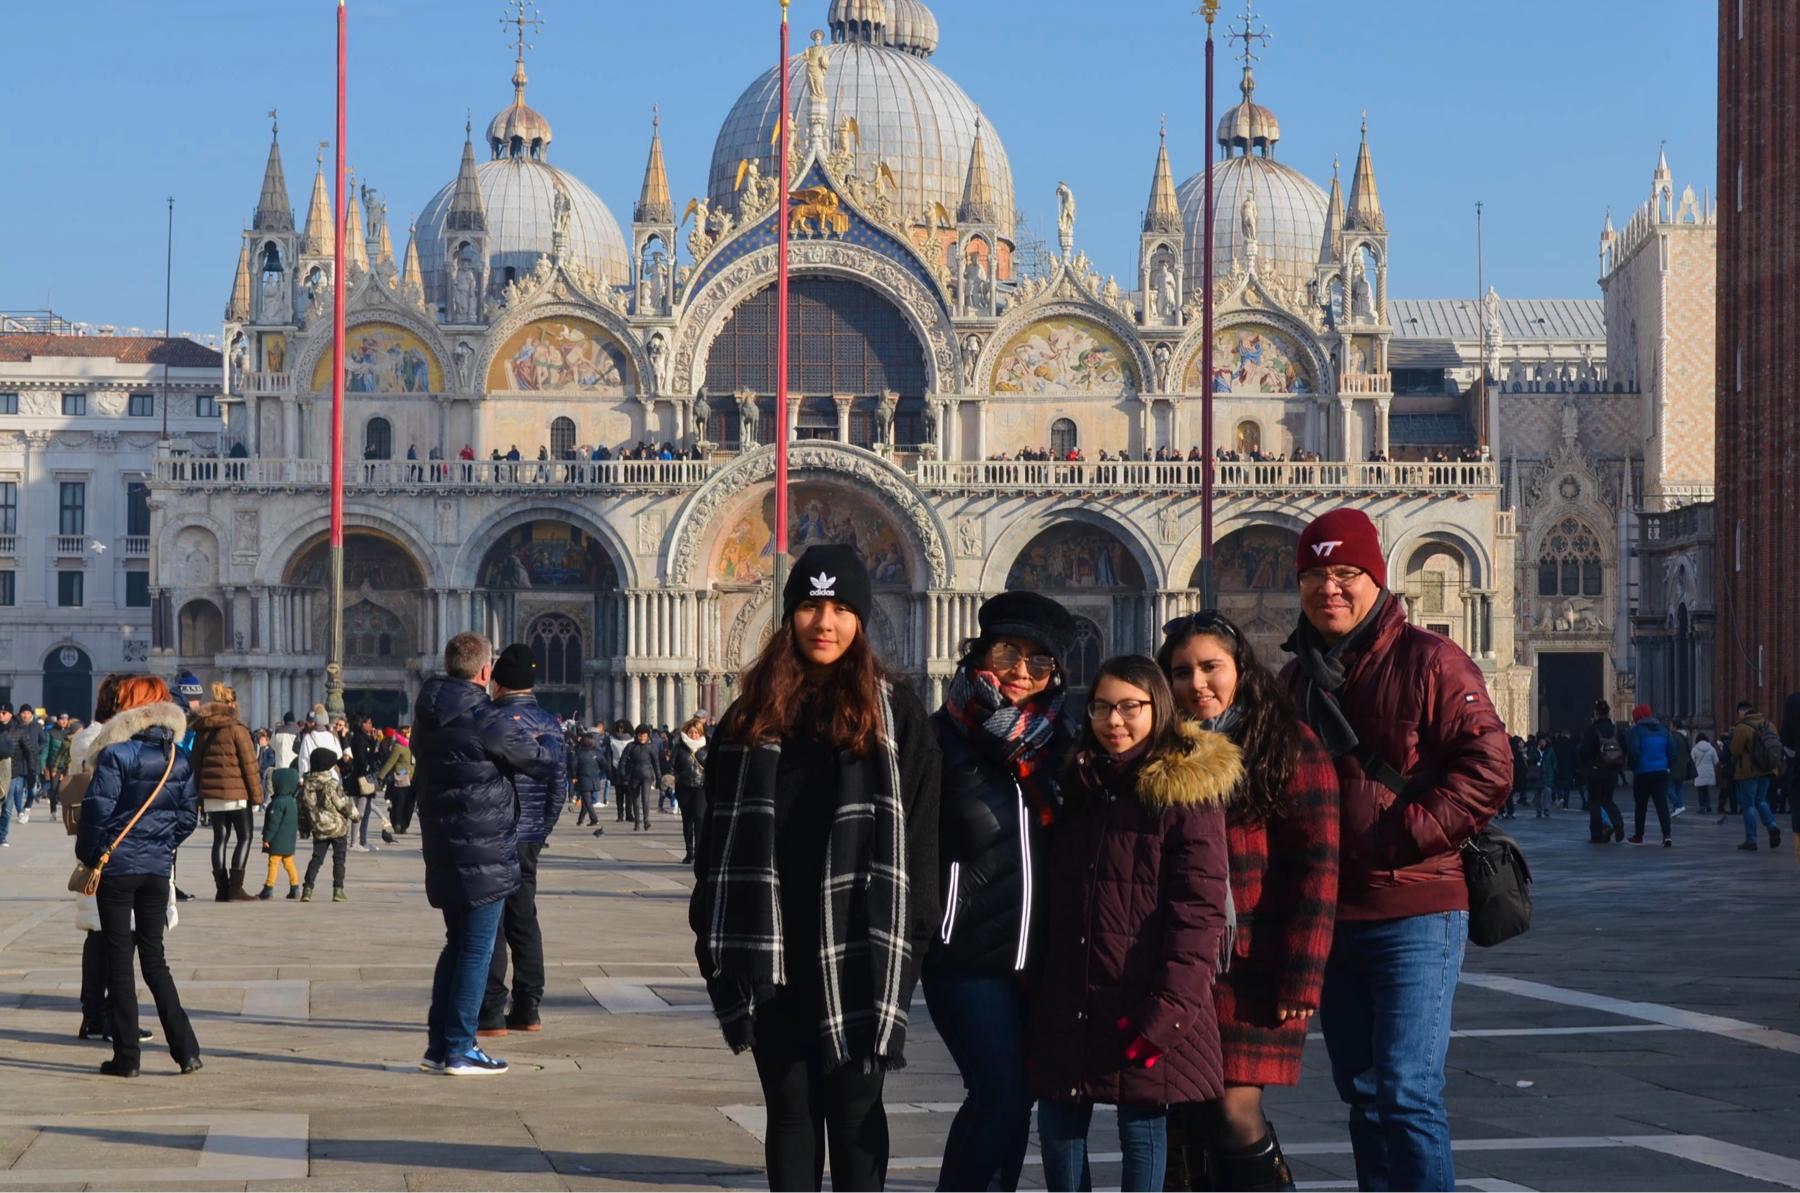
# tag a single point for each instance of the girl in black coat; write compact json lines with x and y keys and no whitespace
{"x":816,"y":886}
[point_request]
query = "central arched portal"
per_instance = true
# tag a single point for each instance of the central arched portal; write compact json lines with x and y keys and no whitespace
{"x":554,"y":587}
{"x":384,"y":619}
{"x":1093,"y":574}
{"x":849,"y":349}
{"x":1254,"y":568}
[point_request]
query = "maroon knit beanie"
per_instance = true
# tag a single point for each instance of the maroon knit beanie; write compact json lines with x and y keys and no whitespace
{"x":1342,"y":538}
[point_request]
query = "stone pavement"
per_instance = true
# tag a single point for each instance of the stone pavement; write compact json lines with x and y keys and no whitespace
{"x":1644,"y":1035}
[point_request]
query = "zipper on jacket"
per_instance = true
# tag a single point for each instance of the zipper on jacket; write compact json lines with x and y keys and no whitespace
{"x":1025,"y":876}
{"x":949,"y":924}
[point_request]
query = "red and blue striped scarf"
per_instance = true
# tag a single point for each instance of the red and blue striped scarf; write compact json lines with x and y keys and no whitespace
{"x":1018,"y":735}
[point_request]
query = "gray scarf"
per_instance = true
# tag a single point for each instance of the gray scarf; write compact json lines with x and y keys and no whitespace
{"x":1326,"y":667}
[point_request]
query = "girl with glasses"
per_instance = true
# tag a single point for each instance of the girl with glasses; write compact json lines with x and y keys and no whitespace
{"x":1006,"y":734}
{"x":1135,"y":896}
{"x":1282,"y":831}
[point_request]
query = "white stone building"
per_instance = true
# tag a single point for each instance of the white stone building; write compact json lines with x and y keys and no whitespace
{"x":80,"y":418}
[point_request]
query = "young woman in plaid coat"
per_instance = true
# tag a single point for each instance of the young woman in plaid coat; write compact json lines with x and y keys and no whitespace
{"x":1282,"y":831}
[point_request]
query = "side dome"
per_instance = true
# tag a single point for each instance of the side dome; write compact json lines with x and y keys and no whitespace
{"x":1290,"y":219}
{"x":911,"y":115}
{"x":519,"y":196}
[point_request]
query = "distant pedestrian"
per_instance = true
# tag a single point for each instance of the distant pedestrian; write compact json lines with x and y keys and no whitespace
{"x":468,"y":752}
{"x":690,"y":782}
{"x":614,"y":749}
{"x":284,"y":739}
{"x":229,"y":778}
{"x":281,"y":830}
{"x":1706,"y":770}
{"x":397,"y":772}
{"x":330,"y":812}
{"x":1603,"y":761}
{"x":1757,"y":757}
{"x":1650,"y":751}
{"x":588,"y":771}
{"x":1681,"y":767}
{"x":641,"y":773}
{"x":318,"y":736}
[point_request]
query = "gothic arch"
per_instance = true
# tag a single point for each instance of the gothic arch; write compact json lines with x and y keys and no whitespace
{"x":694,"y":524}
{"x":1065,"y":303}
{"x":1188,"y":354}
{"x":1004,"y":552}
{"x":464,"y":568}
{"x":704,"y":313}
{"x":642,"y":381}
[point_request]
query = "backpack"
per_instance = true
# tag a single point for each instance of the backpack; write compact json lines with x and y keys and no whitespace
{"x":1611,"y":755}
{"x":1766,"y":753}
{"x":303,"y":818}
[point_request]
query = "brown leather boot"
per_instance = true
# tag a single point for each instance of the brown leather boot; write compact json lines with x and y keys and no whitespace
{"x":238,"y":893}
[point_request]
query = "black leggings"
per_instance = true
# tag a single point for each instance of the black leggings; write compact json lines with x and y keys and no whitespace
{"x":224,"y":826}
{"x":811,"y":1111}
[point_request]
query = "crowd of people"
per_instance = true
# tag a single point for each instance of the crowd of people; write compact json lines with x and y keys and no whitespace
{"x":1141,"y":895}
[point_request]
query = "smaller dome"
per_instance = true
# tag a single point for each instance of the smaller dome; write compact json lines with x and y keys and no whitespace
{"x":858,"y":21}
{"x":1248,"y":125}
{"x":519,"y":130}
{"x":912,"y":28}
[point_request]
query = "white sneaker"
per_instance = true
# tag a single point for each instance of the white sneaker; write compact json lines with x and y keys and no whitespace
{"x":24,"y":817}
{"x":1676,"y":812}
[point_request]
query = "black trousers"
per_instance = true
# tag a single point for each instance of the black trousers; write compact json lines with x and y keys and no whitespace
{"x":589,"y":808}
{"x":339,"y":848}
{"x":400,"y":806}
{"x":93,"y":979}
{"x":1600,"y":787}
{"x":225,"y":826}
{"x":693,"y":814}
{"x":812,"y":1112}
{"x":142,"y":898}
{"x":518,"y":934}
{"x":1644,"y":788}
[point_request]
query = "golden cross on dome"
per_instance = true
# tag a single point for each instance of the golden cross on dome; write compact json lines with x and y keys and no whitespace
{"x":519,"y":20}
{"x":1249,"y":33}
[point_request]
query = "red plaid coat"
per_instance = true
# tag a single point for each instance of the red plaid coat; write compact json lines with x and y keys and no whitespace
{"x":1284,"y":884}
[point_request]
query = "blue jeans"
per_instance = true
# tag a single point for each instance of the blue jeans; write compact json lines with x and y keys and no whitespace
{"x":19,"y":793}
{"x":1062,"y":1138}
{"x":1753,"y":798}
{"x":461,"y":979}
{"x":1385,"y":1014}
{"x":6,"y":812}
{"x":1677,"y":798}
{"x":982,"y":1022}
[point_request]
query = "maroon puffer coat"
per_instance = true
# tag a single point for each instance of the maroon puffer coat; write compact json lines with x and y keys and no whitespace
{"x":1135,"y":884}
{"x":1423,"y":706}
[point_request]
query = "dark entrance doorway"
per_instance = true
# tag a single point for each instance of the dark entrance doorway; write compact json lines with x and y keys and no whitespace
{"x":69,"y":683}
{"x":1568,"y":683}
{"x":389,"y":708}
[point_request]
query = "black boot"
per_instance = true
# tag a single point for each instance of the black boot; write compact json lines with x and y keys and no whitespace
{"x":221,"y":886}
{"x":1261,"y":1166}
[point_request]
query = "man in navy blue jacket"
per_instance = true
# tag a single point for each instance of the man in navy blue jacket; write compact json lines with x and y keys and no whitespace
{"x":540,"y":803}
{"x":468,"y":751}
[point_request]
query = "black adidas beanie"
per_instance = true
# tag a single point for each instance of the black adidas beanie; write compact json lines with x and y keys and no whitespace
{"x":830,"y":572}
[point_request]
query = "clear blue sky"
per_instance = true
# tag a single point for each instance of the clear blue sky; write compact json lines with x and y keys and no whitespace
{"x":1548,"y":111}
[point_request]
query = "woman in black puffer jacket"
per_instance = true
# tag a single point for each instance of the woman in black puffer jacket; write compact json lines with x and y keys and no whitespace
{"x":134,"y":887}
{"x":1005,"y":741}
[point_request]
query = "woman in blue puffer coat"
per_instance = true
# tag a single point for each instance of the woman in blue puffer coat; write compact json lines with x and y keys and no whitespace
{"x":134,"y":886}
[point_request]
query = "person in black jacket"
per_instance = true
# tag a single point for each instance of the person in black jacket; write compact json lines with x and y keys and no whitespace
{"x":1005,"y":741}
{"x":586,"y":771}
{"x":641,"y":774}
{"x":468,"y":752}
{"x":144,"y":772}
{"x":816,"y":884}
{"x":689,"y":763}
{"x":540,"y":804}
{"x":1603,"y":760}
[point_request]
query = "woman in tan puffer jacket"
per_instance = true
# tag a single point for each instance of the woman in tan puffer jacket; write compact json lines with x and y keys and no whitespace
{"x":224,"y":760}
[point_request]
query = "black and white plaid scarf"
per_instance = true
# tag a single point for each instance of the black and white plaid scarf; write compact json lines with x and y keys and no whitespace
{"x":863,"y":959}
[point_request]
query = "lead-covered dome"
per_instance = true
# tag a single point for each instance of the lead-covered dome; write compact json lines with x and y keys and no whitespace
{"x":910,"y":114}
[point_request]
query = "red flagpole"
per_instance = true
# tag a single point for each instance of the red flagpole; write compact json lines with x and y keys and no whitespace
{"x":1208,"y":588}
{"x":781,"y":324}
{"x":334,"y":687}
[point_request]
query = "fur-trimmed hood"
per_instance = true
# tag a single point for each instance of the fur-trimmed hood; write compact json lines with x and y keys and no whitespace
{"x":87,"y":744}
{"x":1205,"y":768}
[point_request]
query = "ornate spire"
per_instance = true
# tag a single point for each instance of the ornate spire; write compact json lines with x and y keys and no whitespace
{"x":356,"y":247}
{"x":467,"y":212}
{"x":1662,"y":165}
{"x":1331,"y":247}
{"x":1164,"y":212}
{"x":381,"y":242}
{"x":980,"y":204}
{"x":519,"y":130}
{"x":654,"y":205}
{"x":238,"y":309}
{"x":318,"y":240}
{"x":1364,"y":214}
{"x":274,"y":213}
{"x":412,"y":278}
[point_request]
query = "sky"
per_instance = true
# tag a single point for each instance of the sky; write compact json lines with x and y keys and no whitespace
{"x":1547,"y":111}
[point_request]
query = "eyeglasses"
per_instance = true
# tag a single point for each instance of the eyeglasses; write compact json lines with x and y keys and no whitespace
{"x":1343,"y":577}
{"x":1003,"y":657}
{"x":1204,"y":622}
{"x":1128,"y":710}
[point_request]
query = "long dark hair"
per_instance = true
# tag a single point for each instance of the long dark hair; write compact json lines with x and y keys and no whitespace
{"x":1269,"y":733}
{"x":842,"y":704}
{"x":1141,"y":672}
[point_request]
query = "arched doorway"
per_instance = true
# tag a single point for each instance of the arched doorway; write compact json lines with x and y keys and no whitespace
{"x":200,"y":630}
{"x":846,"y":341}
{"x":69,"y":683}
{"x":1254,"y":568}
{"x":1094,"y":575}
{"x":384,"y":622}
{"x":555,"y":587}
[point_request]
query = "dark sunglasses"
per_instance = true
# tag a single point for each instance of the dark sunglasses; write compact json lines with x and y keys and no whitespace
{"x":1204,"y":622}
{"x":1003,"y":658}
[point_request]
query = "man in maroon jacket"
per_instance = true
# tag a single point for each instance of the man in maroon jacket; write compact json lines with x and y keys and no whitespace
{"x":1423,"y":763}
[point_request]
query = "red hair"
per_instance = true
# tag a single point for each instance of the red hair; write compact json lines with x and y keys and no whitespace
{"x":138,"y":690}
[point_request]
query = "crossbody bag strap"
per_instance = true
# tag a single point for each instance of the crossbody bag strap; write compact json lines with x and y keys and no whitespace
{"x":123,"y":833}
{"x":1373,"y":764}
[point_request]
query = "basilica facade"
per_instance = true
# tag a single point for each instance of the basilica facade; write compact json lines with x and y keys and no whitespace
{"x":930,"y":349}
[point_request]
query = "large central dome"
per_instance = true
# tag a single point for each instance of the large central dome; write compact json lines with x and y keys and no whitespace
{"x":911,"y":115}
